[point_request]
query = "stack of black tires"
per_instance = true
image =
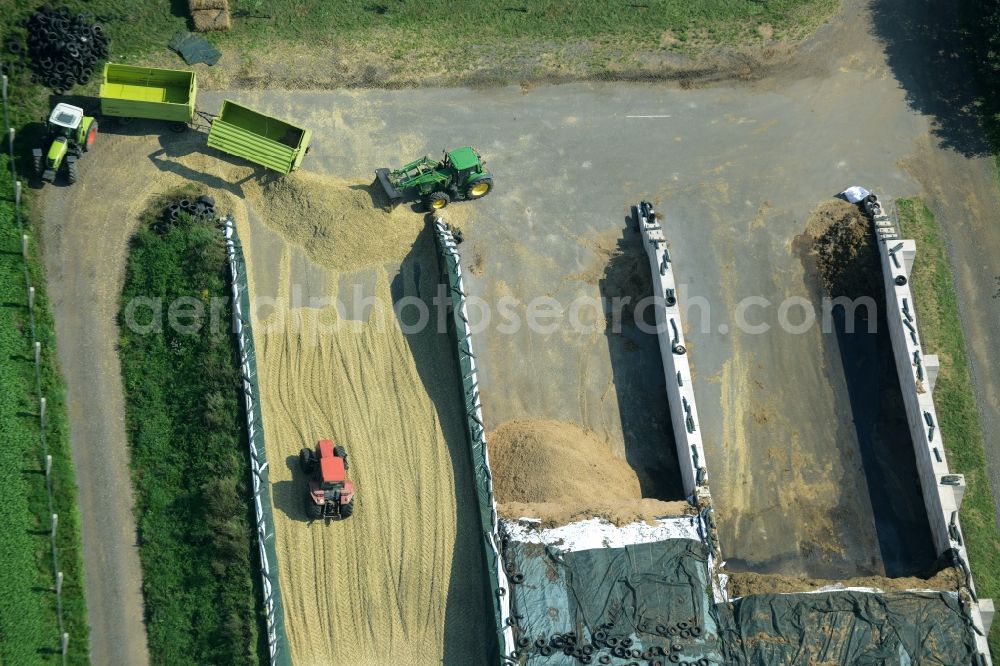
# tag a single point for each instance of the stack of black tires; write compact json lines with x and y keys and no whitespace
{"x":201,"y":209}
{"x":64,"y":49}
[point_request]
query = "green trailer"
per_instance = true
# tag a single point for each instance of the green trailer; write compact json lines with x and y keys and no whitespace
{"x":270,"y":142}
{"x":147,"y":92}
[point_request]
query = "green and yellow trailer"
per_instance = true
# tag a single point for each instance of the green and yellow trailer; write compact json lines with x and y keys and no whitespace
{"x":128,"y":91}
{"x":273,"y":143}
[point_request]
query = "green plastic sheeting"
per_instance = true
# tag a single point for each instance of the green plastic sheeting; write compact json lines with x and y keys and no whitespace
{"x":278,"y":652}
{"x":458,"y":327}
{"x":653,"y":596}
{"x":847,"y":628}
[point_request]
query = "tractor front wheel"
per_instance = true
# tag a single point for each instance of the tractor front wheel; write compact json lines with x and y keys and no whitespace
{"x":479,"y":188}
{"x":347,"y":510}
{"x":438,"y":200}
{"x":72,"y":171}
{"x":313,"y":510}
{"x":88,"y":141}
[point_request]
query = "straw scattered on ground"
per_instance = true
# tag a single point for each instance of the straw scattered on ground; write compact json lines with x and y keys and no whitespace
{"x":743,"y":584}
{"x":401,"y":580}
{"x":558,"y":472}
{"x":617,"y":512}
{"x":341,"y":225}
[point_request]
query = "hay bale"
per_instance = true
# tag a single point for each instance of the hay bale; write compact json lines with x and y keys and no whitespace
{"x":211,"y":19}
{"x":195,"y":5}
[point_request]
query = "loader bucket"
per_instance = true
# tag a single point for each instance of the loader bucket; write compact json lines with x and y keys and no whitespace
{"x":393,"y":197}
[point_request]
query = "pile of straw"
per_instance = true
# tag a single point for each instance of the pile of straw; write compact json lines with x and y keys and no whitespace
{"x":210,"y":15}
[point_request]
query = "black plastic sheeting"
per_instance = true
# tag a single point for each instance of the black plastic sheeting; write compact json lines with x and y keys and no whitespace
{"x":194,"y":49}
{"x":847,"y":629}
{"x":652,"y":599}
{"x":655,"y":600}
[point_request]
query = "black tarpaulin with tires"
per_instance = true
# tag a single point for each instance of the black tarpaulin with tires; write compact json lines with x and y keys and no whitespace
{"x":847,"y":628}
{"x":644,"y":598}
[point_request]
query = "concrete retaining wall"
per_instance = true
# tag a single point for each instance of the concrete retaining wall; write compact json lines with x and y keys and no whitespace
{"x":677,"y":369}
{"x":942,"y":490}
{"x":498,"y":585}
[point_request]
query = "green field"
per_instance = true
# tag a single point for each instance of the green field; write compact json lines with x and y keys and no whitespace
{"x":29,"y":629}
{"x":400,"y":42}
{"x":190,"y":463}
{"x":937,"y":311}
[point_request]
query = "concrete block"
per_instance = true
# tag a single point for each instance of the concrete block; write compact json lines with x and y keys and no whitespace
{"x":987,"y":610}
{"x":957,"y":484}
{"x":909,"y":251}
{"x":931,"y":367}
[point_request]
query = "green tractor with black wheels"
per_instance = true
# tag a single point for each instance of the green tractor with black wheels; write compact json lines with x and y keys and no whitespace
{"x":459,"y":176}
{"x":70,"y":135}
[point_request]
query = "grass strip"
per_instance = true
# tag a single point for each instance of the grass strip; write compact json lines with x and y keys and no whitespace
{"x":190,"y":463}
{"x":937,"y":309}
{"x":426,"y":39}
{"x":29,"y":626}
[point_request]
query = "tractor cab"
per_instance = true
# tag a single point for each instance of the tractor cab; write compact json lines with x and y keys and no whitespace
{"x":332,"y":471}
{"x":65,"y":120}
{"x":465,"y":161}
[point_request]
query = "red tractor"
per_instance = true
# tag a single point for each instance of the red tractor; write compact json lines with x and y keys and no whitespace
{"x":330,"y":494}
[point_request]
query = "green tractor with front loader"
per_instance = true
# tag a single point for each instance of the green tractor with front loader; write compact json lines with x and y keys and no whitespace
{"x":69,"y":135}
{"x":459,"y":176}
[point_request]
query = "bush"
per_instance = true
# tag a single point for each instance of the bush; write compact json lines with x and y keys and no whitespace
{"x":190,"y":461}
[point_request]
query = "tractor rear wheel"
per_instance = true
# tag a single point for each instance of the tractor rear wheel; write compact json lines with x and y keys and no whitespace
{"x":88,"y":141}
{"x":36,"y":162}
{"x":347,"y":510}
{"x":72,"y":171}
{"x":478,"y":189}
{"x":307,"y":460}
{"x":438,"y":200}
{"x":313,"y":510}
